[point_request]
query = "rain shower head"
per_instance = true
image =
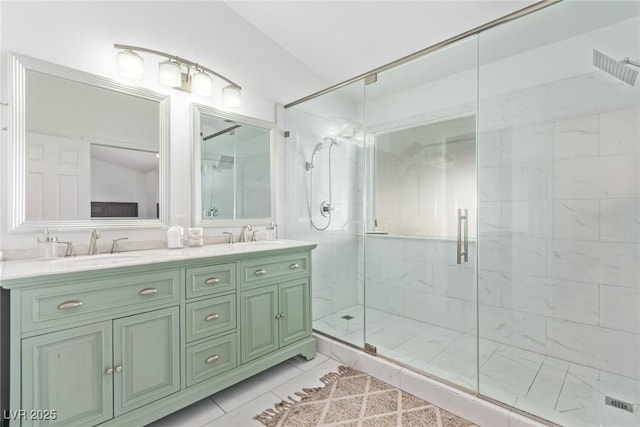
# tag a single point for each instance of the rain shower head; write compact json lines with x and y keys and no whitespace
{"x":618,"y":69}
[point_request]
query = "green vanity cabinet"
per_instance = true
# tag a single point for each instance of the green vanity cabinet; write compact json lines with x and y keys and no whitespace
{"x":146,"y":358}
{"x":90,"y":374}
{"x":259,"y":323}
{"x":126,"y":345}
{"x":274,"y":316}
{"x":295,"y":311}
{"x":66,"y":372}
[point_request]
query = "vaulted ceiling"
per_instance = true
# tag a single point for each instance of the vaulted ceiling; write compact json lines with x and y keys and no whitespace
{"x":338,"y":40}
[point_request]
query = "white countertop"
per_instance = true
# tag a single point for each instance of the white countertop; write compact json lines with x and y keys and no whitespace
{"x":34,"y":268}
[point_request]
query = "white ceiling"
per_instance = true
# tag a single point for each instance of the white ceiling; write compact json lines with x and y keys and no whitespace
{"x":339,"y":40}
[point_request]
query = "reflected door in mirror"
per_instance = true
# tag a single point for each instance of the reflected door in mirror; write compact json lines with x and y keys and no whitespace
{"x":57,"y":178}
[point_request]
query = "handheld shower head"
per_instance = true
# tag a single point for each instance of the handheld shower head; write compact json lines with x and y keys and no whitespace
{"x":309,"y":165}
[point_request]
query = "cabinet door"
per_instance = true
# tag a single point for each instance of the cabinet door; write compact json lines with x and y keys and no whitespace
{"x":147,"y":349}
{"x":295,"y":320}
{"x":259,"y":326}
{"x":66,"y":372}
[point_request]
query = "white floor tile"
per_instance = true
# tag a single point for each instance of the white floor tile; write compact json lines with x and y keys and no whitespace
{"x":247,"y":390}
{"x":304,"y":364}
{"x":195,"y":415}
{"x":509,"y":373}
{"x":546,"y":387}
{"x":243,"y":416}
{"x":308,"y":379}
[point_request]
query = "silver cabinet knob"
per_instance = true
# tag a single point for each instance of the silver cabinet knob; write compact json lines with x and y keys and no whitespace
{"x":70,"y":304}
{"x":212,"y":359}
{"x":118,"y":369}
{"x":260,"y":272}
{"x":213,"y":316}
{"x":211,"y":281}
{"x":148,"y":291}
{"x":109,"y":371}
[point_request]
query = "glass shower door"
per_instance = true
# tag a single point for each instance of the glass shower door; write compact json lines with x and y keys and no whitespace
{"x":419,"y":245}
{"x":559,"y":235}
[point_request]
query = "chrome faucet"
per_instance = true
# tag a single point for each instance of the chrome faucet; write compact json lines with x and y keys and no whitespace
{"x":115,"y":248}
{"x":243,"y":230}
{"x":70,"y":250}
{"x":93,"y":245}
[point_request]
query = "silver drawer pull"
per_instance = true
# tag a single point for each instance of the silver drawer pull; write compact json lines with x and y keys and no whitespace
{"x":212,"y":317}
{"x":293,"y":266}
{"x":211,"y":281}
{"x":148,"y":291}
{"x":212,"y":359}
{"x":260,"y":272}
{"x":69,"y":304}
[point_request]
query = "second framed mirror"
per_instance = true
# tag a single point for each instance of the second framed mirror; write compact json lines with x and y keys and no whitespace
{"x":232,"y":167}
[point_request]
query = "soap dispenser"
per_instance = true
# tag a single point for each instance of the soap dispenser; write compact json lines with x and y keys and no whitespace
{"x":47,"y":245}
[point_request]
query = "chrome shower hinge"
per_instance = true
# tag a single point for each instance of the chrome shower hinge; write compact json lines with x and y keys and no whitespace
{"x":371,"y":349}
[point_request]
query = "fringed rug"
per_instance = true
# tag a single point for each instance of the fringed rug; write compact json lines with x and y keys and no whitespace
{"x":352,"y":398}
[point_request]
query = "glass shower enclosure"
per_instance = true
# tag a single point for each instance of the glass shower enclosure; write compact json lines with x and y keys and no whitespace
{"x":481,"y":212}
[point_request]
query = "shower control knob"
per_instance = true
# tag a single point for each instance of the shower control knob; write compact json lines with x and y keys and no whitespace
{"x":326,"y":209}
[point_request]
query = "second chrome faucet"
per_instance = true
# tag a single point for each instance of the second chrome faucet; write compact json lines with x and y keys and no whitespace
{"x":243,"y":231}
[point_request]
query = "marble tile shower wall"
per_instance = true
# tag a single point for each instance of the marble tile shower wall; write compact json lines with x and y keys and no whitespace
{"x":559,"y":224}
{"x":335,"y":260}
{"x":419,"y":278}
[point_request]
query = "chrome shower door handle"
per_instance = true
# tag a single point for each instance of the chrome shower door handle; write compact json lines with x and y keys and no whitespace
{"x":463,"y":237}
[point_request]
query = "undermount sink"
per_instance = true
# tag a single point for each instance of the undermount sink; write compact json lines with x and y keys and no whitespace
{"x":263,"y":243}
{"x":97,"y":259}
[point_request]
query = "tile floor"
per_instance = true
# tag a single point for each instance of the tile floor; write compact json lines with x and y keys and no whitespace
{"x":560,"y":391}
{"x":237,"y":405}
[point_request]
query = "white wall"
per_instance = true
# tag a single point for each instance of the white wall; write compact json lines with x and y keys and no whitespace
{"x":114,"y":183}
{"x":81,"y":35}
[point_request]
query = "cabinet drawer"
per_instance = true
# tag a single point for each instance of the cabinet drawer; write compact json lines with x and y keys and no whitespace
{"x":211,"y":358}
{"x":209,"y":317}
{"x":274,"y":268}
{"x":211,"y":279}
{"x":57,"y":306}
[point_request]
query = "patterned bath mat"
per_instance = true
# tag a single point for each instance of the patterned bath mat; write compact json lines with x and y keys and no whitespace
{"x":352,"y":398}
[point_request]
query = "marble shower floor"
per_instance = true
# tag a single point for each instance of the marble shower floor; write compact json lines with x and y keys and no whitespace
{"x":554,"y":389}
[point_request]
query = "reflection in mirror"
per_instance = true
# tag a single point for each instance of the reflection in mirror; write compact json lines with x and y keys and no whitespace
{"x":234,"y":153}
{"x":124,"y":182}
{"x":87,"y":151}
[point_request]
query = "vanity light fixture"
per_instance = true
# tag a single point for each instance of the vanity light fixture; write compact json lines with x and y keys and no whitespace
{"x":231,"y":96}
{"x":130,"y":65}
{"x":170,"y":73}
{"x":177,"y":72}
{"x":202,"y":84}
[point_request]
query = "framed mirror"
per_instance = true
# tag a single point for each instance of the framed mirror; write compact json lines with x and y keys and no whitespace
{"x":85,"y":151}
{"x":232,"y":166}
